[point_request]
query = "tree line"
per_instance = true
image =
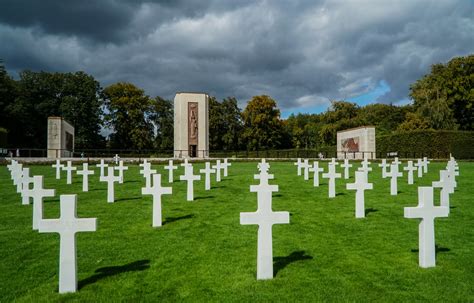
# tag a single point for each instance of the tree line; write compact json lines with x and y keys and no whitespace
{"x":442,"y":100}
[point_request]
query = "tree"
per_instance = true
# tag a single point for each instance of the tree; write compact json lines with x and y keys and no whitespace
{"x":413,"y":121}
{"x":262,"y":124}
{"x":450,"y":88}
{"x":128,"y":110}
{"x":8,"y":93}
{"x":225,"y":124}
{"x":162,"y":117}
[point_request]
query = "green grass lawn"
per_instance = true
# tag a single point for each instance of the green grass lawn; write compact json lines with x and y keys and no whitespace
{"x":202,"y":253}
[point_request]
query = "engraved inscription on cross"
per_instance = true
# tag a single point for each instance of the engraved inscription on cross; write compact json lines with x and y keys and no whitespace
{"x":67,"y":226}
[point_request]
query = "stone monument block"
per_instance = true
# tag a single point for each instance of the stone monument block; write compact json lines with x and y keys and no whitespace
{"x":191,"y":125}
{"x":356,"y":143}
{"x":60,"y":138}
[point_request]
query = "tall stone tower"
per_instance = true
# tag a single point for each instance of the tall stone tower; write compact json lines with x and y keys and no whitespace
{"x":191,"y":125}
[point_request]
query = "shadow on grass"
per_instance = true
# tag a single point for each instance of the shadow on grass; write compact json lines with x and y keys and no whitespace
{"x":126,"y":199}
{"x":204,"y":197}
{"x":98,"y":189}
{"x":370,"y":210}
{"x":438,"y":249}
{"x":278,"y":195}
{"x":131,"y":181}
{"x":105,"y":272}
{"x":280,"y":263}
{"x":341,"y":194}
{"x":173,"y":219}
{"x":222,"y":186}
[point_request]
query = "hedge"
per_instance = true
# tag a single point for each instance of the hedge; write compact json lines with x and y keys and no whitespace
{"x":431,"y":143}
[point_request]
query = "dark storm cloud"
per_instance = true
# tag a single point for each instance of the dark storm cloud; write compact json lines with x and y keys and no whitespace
{"x":301,"y":53}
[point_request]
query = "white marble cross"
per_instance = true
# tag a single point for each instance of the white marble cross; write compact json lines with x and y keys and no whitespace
{"x":17,"y":171}
{"x":427,"y":212}
{"x":444,"y":184}
{"x":38,"y":193}
{"x":394,"y":174}
{"x":452,"y":173}
{"x":18,"y":179}
{"x":346,"y":165}
{"x":157,"y":191}
{"x":425,"y":164}
{"x":102,"y":166}
{"x":121,"y":168}
{"x":226,"y":164}
{"x":265,"y":218}
{"x":147,"y":172}
{"x":384,"y":166}
{"x":298,"y":166}
{"x":333,"y":161}
{"x":365,"y":167}
{"x":69,"y":168}
{"x":110,"y":179}
{"x":67,"y":226}
{"x":396,"y":161}
{"x":190,"y":178}
{"x":332,"y":175}
{"x":58,"y":166}
{"x":145,"y":162}
{"x":25,"y":186}
{"x":85,"y":172}
{"x":116,"y":159}
{"x":185,"y":163}
{"x":207,"y":171}
{"x":315,"y":170}
{"x":360,"y":185}
{"x":419,"y":166}
{"x":410,"y":168}
{"x":305,"y":166}
{"x":170,"y":167}
{"x":218,"y":168}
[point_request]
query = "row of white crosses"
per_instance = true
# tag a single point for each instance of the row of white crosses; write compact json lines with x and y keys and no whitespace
{"x":67,"y":226}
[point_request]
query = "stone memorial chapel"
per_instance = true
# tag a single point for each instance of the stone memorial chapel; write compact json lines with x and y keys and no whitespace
{"x":191,"y":125}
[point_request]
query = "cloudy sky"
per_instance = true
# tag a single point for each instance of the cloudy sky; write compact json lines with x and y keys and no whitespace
{"x":302,"y":53}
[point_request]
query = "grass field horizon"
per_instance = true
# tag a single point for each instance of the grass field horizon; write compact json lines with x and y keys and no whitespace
{"x":202,"y":253}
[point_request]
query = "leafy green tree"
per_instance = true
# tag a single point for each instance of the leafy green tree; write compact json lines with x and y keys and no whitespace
{"x":449,"y":88}
{"x":413,"y":121}
{"x":73,"y":96}
{"x":385,"y":117}
{"x":127,"y":115}
{"x":162,"y":117}
{"x":263,"y":128}
{"x":216,"y":124}
{"x":8,"y":93}
{"x":225,"y":124}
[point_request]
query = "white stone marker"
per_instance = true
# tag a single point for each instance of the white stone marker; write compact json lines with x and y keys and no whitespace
{"x":360,"y":185}
{"x":218,"y":168}
{"x":396,"y":161}
{"x":121,"y":169}
{"x":156,"y":191}
{"x":58,"y":166}
{"x":207,"y":171}
{"x":185,"y":163}
{"x":38,"y":193}
{"x":419,"y":166}
{"x":365,"y":168}
{"x":85,"y":172}
{"x":69,"y":168}
{"x":67,"y":226}
{"x":427,"y":212}
{"x":298,"y":166}
{"x":305,"y":166}
{"x":102,"y":165}
{"x":452,"y":173}
{"x":110,"y":179}
{"x":190,"y":178}
{"x":316,"y":169}
{"x":116,"y":159}
{"x":264,"y":217}
{"x":226,"y":164}
{"x":19,"y":179}
{"x":145,"y":162}
{"x":170,"y":167}
{"x":444,"y":184}
{"x":25,"y":186}
{"x":425,"y":164}
{"x":384,"y":166}
{"x":332,"y":175}
{"x":410,"y":168}
{"x":346,"y":165}
{"x":394,"y":174}
{"x":333,"y":161}
{"x":147,"y":172}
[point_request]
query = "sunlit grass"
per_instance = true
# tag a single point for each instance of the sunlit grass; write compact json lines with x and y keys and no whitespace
{"x":202,"y":253}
